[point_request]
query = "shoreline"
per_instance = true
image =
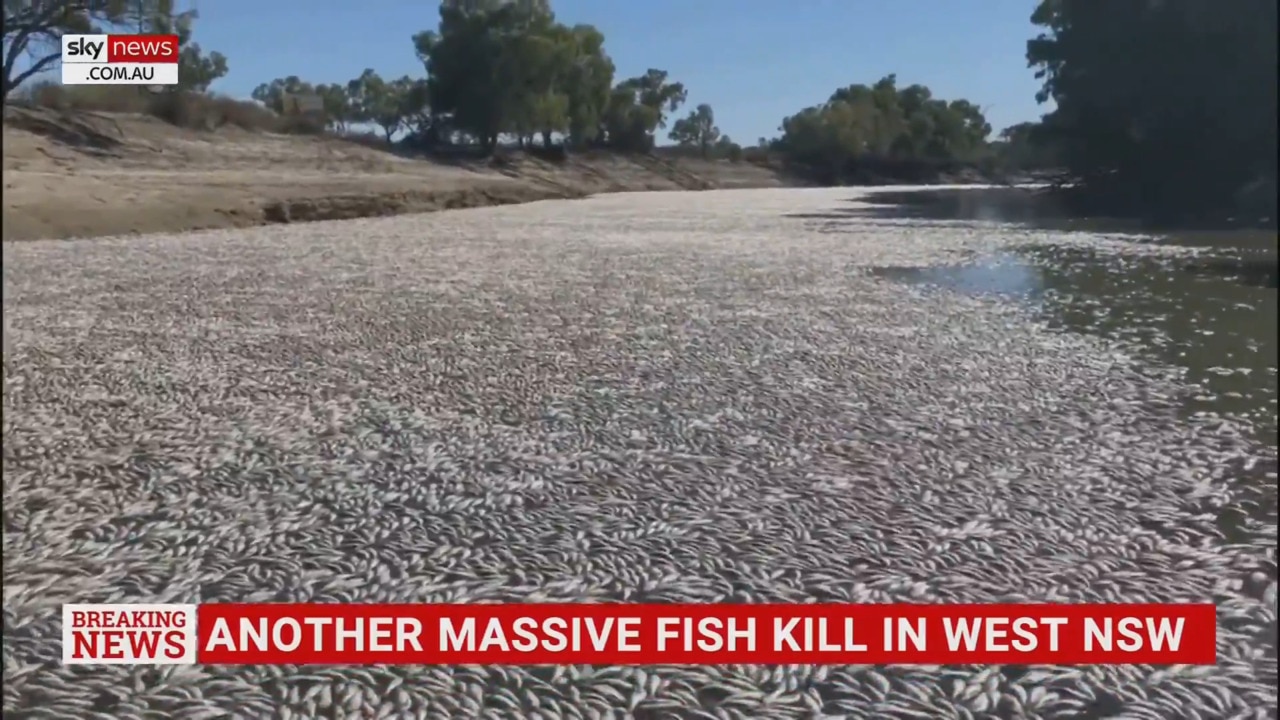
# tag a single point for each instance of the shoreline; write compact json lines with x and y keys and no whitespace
{"x":86,"y":175}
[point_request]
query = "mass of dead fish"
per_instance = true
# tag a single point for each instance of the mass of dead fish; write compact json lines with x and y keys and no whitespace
{"x":648,"y":397}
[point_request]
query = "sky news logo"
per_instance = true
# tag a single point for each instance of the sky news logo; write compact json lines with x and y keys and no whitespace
{"x":120,"y":59}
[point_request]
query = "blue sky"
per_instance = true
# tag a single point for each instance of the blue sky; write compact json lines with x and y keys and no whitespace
{"x":754,"y":61}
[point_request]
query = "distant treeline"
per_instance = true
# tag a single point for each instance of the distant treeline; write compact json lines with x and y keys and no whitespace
{"x":1160,"y":103}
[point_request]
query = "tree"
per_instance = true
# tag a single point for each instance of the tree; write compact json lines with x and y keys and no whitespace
{"x":35,"y":30}
{"x":476,"y":67}
{"x":272,"y":94}
{"x":385,"y":104}
{"x":589,"y":83}
{"x":627,"y":124}
{"x":336,"y":103}
{"x":638,"y":106}
{"x":534,"y":66}
{"x":507,"y":67}
{"x":886,"y":121}
{"x":697,"y":130}
{"x":196,"y":70}
{"x":653,"y":91}
{"x":333,"y":97}
{"x":1160,"y":105}
{"x":727,"y":148}
{"x":415,"y":104}
{"x":884,"y":127}
{"x":1025,"y":147}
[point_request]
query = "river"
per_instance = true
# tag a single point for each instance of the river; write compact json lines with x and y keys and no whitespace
{"x":1214,"y":316}
{"x":748,"y":396}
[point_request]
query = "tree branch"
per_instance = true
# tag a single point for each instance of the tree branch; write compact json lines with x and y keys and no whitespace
{"x":46,"y":19}
{"x":37,"y":67}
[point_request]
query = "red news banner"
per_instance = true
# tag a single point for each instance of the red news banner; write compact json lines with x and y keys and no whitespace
{"x":609,"y":634}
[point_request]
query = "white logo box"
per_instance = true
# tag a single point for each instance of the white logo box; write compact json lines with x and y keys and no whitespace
{"x":84,"y":62}
{"x":129,"y":634}
{"x":120,"y":74}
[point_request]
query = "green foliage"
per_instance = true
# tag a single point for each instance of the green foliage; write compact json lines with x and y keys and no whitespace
{"x":497,"y":67}
{"x":196,"y":70}
{"x":725,"y":147}
{"x":1026,"y":147}
{"x":391,"y":105}
{"x":475,"y":65}
{"x":188,"y":109}
{"x":1160,"y":105}
{"x":697,"y":130}
{"x":589,"y":84}
{"x":272,"y":94}
{"x":883,"y":123}
{"x":638,"y":106}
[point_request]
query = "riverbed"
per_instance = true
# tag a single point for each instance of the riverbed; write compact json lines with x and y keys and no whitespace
{"x":746,"y":396}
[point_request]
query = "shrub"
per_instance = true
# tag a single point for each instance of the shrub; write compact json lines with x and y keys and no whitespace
{"x":366,"y":139}
{"x":757,"y":155}
{"x":554,"y":154}
{"x":201,"y":111}
{"x":101,"y":98}
{"x":183,"y":108}
{"x":244,"y":114}
{"x":303,"y":125}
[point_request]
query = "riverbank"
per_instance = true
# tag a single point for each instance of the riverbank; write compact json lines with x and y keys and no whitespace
{"x":96,"y":174}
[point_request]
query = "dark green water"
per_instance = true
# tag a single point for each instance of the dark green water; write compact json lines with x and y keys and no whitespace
{"x":1214,"y":315}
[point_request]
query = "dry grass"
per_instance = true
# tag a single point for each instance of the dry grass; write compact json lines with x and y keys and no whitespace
{"x":91,"y":161}
{"x":191,"y":110}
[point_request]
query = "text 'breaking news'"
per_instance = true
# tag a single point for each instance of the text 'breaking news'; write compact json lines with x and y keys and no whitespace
{"x":615,"y":634}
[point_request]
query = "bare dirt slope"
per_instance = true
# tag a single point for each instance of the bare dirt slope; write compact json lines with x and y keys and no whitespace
{"x":96,"y":174}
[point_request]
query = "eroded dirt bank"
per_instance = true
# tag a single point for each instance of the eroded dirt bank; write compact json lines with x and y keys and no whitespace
{"x":94,"y":174}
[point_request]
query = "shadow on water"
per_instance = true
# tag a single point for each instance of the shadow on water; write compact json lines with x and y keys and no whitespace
{"x":1214,"y":315}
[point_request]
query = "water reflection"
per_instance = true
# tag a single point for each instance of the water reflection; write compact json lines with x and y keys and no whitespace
{"x":1037,"y":207}
{"x":1215,"y":316}
{"x":1007,"y":275}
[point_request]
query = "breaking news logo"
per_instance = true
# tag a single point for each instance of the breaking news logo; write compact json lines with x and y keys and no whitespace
{"x":128,"y":634}
{"x":618,"y":634}
{"x":120,"y":59}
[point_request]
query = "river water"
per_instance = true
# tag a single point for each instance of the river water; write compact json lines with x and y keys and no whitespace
{"x":1214,"y":316}
{"x":658,"y":397}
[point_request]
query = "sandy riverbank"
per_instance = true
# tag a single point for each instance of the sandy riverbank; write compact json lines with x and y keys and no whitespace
{"x":95,"y":174}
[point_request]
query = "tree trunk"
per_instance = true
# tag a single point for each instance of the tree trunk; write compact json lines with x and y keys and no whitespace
{"x":546,"y":139}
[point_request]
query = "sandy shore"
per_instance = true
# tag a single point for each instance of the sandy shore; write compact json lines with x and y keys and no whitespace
{"x":97,"y":175}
